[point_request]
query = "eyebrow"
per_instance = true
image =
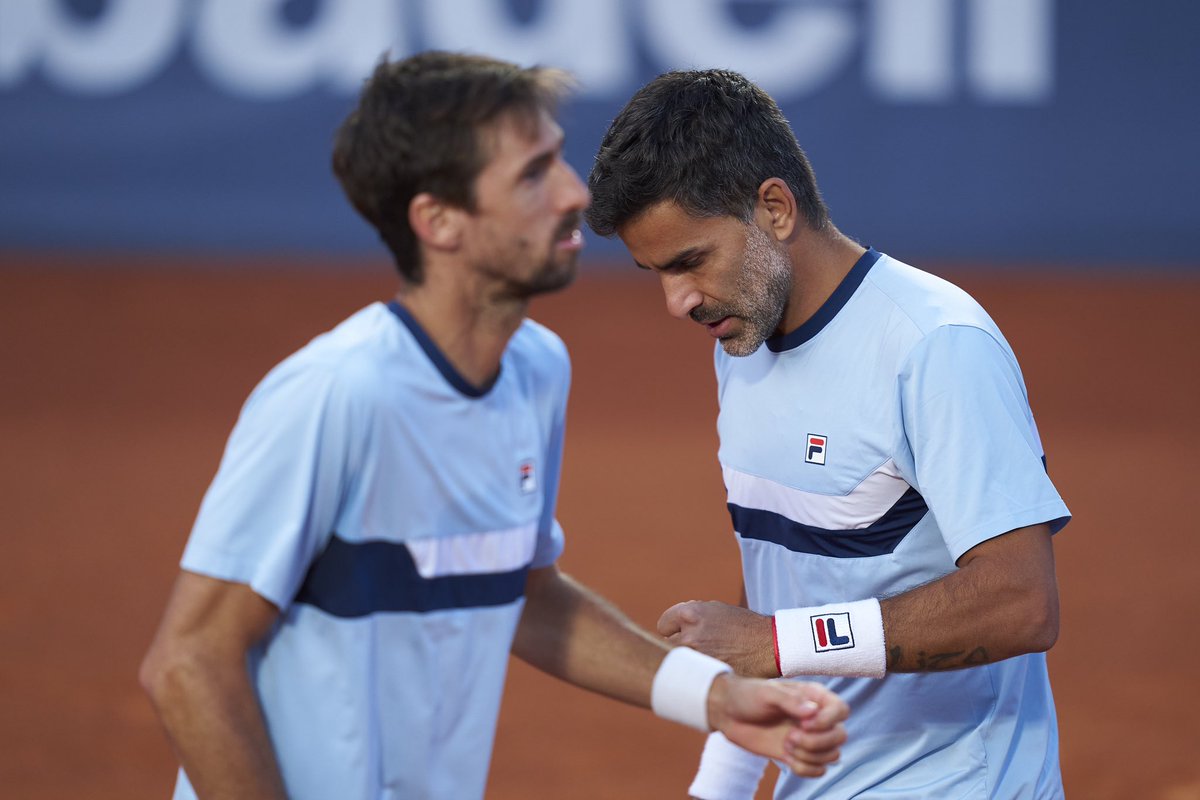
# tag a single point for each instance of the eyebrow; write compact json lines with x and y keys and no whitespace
{"x":537,"y":162}
{"x":545,"y":157}
{"x":678,"y":259}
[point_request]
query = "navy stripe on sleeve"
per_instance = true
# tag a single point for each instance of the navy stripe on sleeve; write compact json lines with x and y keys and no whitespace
{"x":357,"y":579}
{"x":877,"y":539}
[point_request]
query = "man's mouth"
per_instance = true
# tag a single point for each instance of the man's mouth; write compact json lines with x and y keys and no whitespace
{"x":570,"y":235}
{"x":571,"y":241}
{"x":719,"y":328}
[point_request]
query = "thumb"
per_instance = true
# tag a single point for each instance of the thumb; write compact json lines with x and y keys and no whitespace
{"x":670,"y":622}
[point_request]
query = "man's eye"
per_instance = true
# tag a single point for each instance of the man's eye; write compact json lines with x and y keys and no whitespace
{"x":536,"y":171}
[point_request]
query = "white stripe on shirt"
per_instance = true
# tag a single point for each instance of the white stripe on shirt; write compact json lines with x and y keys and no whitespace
{"x":865,"y":504}
{"x":474,"y":553}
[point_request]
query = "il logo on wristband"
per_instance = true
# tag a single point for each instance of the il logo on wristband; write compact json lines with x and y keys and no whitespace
{"x":832,"y":632}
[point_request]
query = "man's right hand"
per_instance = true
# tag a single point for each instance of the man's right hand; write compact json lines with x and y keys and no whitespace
{"x":796,"y":722}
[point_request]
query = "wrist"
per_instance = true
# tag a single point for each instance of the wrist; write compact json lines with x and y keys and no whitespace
{"x":688,"y":688}
{"x":834,"y":639}
{"x":761,"y":660}
{"x":715,"y":703}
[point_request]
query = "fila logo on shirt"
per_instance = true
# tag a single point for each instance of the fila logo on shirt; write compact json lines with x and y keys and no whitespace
{"x":832,"y":632}
{"x":528,"y":482}
{"x":814,"y":451}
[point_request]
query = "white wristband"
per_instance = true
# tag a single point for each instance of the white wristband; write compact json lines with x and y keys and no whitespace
{"x":680,"y":689}
{"x":835,"y":639}
{"x":727,"y":772}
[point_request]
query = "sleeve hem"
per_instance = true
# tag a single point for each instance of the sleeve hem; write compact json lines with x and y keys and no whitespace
{"x":225,"y":567}
{"x":1054,"y":513}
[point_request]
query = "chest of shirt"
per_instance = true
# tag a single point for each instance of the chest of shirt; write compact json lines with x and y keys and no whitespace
{"x":440,"y":465}
{"x":808,"y":420}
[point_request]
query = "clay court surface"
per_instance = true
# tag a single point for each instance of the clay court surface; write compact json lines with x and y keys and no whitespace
{"x":121,"y":381}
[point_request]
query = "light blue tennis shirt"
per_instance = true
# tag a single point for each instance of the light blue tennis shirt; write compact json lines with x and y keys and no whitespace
{"x":391,"y":511}
{"x":863,"y":454}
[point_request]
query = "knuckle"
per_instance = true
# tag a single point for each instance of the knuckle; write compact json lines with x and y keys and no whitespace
{"x":807,"y":770}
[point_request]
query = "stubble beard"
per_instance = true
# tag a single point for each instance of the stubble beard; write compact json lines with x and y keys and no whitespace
{"x":552,"y":277}
{"x":557,"y":272}
{"x":764,"y":286}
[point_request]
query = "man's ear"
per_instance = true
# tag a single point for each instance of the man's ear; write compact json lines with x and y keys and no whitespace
{"x":776,"y":208}
{"x":436,"y":224}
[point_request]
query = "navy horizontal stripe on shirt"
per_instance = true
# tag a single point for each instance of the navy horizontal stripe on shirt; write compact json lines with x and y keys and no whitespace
{"x":355,"y":579}
{"x":879,"y":538}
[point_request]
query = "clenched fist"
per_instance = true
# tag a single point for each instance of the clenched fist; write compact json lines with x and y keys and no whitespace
{"x":739,"y":637}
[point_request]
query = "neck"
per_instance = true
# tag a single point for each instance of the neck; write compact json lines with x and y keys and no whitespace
{"x":467,"y":322}
{"x":820,"y":261}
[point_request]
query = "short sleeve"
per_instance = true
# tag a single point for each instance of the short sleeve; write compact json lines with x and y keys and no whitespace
{"x":976,"y":455}
{"x":274,"y":502}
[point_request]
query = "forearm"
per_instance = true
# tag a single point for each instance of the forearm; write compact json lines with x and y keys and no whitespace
{"x":1001,"y":602}
{"x":195,"y":674}
{"x":967,"y":618}
{"x":213,"y":721}
{"x":574,"y":634}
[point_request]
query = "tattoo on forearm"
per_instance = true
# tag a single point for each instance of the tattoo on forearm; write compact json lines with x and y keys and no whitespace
{"x":937,"y":662}
{"x":976,"y":657}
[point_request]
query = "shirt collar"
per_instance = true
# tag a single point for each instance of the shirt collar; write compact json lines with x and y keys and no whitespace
{"x":452,"y":376}
{"x":829,"y":309}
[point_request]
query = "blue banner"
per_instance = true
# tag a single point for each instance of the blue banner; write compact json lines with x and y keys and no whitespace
{"x":976,"y":131}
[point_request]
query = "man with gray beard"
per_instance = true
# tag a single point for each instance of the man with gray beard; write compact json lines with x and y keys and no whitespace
{"x":885,"y":477}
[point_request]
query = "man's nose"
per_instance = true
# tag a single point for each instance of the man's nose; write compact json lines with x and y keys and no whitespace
{"x":575,"y":195}
{"x":681,"y":294}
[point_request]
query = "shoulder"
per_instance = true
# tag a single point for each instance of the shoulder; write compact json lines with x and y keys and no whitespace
{"x":345,"y":363}
{"x":537,"y":341}
{"x":926,"y":300}
{"x":914,"y":314}
{"x":539,"y":352}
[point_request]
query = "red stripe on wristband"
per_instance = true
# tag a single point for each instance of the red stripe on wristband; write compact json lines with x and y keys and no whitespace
{"x":775,"y":644}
